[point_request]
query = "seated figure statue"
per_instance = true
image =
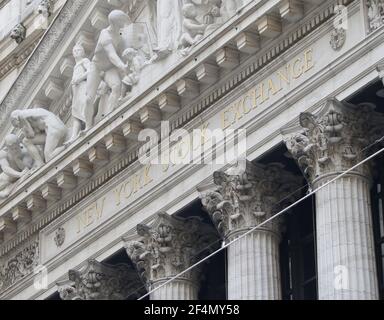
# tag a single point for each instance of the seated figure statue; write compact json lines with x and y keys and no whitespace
{"x":15,"y":163}
{"x":44,"y":132}
{"x":193,"y":29}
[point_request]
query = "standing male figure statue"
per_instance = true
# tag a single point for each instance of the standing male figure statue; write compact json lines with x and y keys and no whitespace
{"x":79,"y":93}
{"x":43,"y":131}
{"x":107,"y":64}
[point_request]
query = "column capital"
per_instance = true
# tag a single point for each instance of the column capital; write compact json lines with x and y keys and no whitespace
{"x":246,"y":195}
{"x":100,"y":281}
{"x":168,"y":246}
{"x":333,"y":140}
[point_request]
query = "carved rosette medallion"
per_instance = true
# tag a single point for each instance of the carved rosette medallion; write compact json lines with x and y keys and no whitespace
{"x":169,"y":246}
{"x":334,"y":140}
{"x":247,"y":195}
{"x":338,"y":38}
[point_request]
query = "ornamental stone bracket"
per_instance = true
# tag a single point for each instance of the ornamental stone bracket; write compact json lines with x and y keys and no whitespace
{"x":334,"y":140}
{"x":248,"y":194}
{"x":168,"y":246}
{"x":100,"y":281}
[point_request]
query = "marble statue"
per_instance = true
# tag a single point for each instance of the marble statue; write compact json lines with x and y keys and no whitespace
{"x":213,"y":18}
{"x":229,"y":8}
{"x":136,"y":55}
{"x":15,"y":163}
{"x":107,"y":63}
{"x":375,"y":13}
{"x":168,"y":24}
{"x":44,"y":133}
{"x":79,"y":93}
{"x":45,"y":8}
{"x":102,"y":97}
{"x":193,"y":30}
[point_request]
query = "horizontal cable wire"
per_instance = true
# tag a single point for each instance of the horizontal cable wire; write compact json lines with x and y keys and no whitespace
{"x":308,"y":195}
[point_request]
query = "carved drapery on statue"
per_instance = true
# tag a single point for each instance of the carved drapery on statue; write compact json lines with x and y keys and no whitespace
{"x":334,"y":140}
{"x":100,"y":281}
{"x":169,"y":246}
{"x":99,"y":84}
{"x":246,"y":195}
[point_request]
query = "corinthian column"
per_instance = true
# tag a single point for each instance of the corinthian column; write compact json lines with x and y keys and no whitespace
{"x":100,"y":281}
{"x":166,"y":248}
{"x":244,"y":197}
{"x":328,"y":144}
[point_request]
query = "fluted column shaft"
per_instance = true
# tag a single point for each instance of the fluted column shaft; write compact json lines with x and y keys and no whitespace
{"x":253,"y":267}
{"x":179,"y":289}
{"x":329,"y":143}
{"x":345,"y":244}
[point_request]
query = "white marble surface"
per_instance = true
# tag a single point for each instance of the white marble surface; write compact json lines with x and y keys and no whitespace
{"x":254,"y":267}
{"x":345,"y":240}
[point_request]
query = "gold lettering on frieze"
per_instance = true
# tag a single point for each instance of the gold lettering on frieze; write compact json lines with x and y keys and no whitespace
{"x":132,"y":185}
{"x":263,"y":91}
{"x":91,"y":215}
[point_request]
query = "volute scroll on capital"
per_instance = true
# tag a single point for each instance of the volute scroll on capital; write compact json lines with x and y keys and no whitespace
{"x":335,"y":139}
{"x":169,"y":246}
{"x":101,"y":281}
{"x":246,"y":195}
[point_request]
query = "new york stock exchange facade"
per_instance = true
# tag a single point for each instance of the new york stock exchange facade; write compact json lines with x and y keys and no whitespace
{"x":82,"y":217}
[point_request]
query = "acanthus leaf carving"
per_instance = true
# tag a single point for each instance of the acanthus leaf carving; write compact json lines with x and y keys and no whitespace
{"x":101,"y":281}
{"x":246,"y":195}
{"x":169,"y":246}
{"x":334,"y":140}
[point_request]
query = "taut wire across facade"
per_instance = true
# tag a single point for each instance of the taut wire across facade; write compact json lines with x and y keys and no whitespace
{"x":139,"y":137}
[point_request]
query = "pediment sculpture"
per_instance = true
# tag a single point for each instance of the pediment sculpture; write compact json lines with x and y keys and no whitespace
{"x":44,"y":136}
{"x":102,"y":80}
